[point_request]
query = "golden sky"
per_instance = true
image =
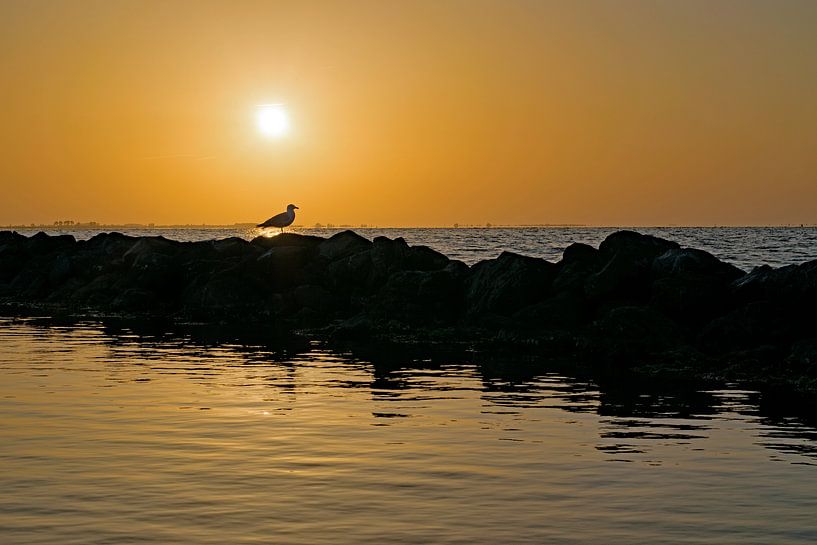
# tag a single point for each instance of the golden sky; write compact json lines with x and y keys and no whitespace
{"x":695,"y":112}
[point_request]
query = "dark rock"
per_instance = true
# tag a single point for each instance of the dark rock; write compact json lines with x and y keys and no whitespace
{"x":147,"y":251}
{"x":284,"y":266}
{"x":235,"y":247}
{"x":752,"y":325}
{"x":691,"y":285}
{"x":579,"y":252}
{"x":343,"y":244}
{"x":352,"y":273}
{"x":628,"y":257}
{"x":635,"y":331}
{"x":692,"y":300}
{"x":13,"y":255}
{"x":508,"y":283}
{"x":578,"y":262}
{"x":12,"y":237}
{"x":635,"y":245}
{"x":42,"y":243}
{"x":423,"y":258}
{"x":287,"y":239}
{"x":793,"y":283}
{"x":690,"y":262}
{"x":419,"y":297}
{"x":622,"y":278}
{"x":802,"y":358}
{"x":230,"y":294}
{"x":563,"y":311}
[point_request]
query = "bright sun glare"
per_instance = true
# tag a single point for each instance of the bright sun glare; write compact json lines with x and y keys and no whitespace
{"x":272,"y":120}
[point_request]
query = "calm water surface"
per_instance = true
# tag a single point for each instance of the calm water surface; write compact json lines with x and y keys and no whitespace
{"x":112,"y":436}
{"x":745,"y":247}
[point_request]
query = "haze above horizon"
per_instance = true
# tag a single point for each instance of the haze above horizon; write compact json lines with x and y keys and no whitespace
{"x":419,"y":113}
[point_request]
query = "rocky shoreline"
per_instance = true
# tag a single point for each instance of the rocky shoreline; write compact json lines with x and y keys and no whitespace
{"x":637,"y":302}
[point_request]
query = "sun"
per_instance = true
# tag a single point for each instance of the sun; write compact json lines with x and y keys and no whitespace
{"x":272,"y":120}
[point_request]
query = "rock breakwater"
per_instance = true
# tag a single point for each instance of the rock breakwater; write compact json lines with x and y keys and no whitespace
{"x":637,"y":300}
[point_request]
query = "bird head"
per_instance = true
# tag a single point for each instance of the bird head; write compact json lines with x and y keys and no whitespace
{"x":291,"y":207}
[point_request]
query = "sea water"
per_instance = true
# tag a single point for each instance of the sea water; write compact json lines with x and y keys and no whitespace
{"x":114,"y":435}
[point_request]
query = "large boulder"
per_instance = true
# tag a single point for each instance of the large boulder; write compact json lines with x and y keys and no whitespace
{"x":631,"y":331}
{"x":691,"y":285}
{"x":628,"y":257}
{"x":425,"y":298}
{"x":423,"y":258}
{"x":284,"y":266}
{"x":287,"y":239}
{"x":691,"y":262}
{"x":229,"y":293}
{"x":750,"y":326}
{"x":792,"y":284}
{"x":508,"y":283}
{"x":235,"y":247}
{"x":635,"y":245}
{"x":41,"y":243}
{"x":343,"y":244}
{"x":150,"y":252}
{"x":578,"y":262}
{"x":13,"y":255}
{"x":565,"y":310}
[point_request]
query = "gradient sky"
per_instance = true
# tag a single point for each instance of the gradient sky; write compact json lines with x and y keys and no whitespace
{"x":410,"y":113}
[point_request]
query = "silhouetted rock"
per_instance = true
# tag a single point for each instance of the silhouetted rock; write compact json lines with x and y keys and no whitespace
{"x":343,"y":244}
{"x":419,"y":297}
{"x":691,"y":285}
{"x":287,"y":239}
{"x":631,"y":331}
{"x":635,"y":245}
{"x":507,"y":283}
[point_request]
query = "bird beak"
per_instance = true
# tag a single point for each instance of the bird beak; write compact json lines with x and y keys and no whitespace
{"x":296,"y":208}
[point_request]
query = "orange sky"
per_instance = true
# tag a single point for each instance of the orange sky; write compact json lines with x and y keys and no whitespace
{"x":410,"y":113}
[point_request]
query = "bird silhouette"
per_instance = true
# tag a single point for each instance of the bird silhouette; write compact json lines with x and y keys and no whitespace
{"x":281,"y":220}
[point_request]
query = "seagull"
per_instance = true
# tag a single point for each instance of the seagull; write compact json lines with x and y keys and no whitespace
{"x":281,"y":220}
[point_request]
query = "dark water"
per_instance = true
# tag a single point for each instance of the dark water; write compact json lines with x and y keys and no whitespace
{"x":745,"y":247}
{"x":111,"y":435}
